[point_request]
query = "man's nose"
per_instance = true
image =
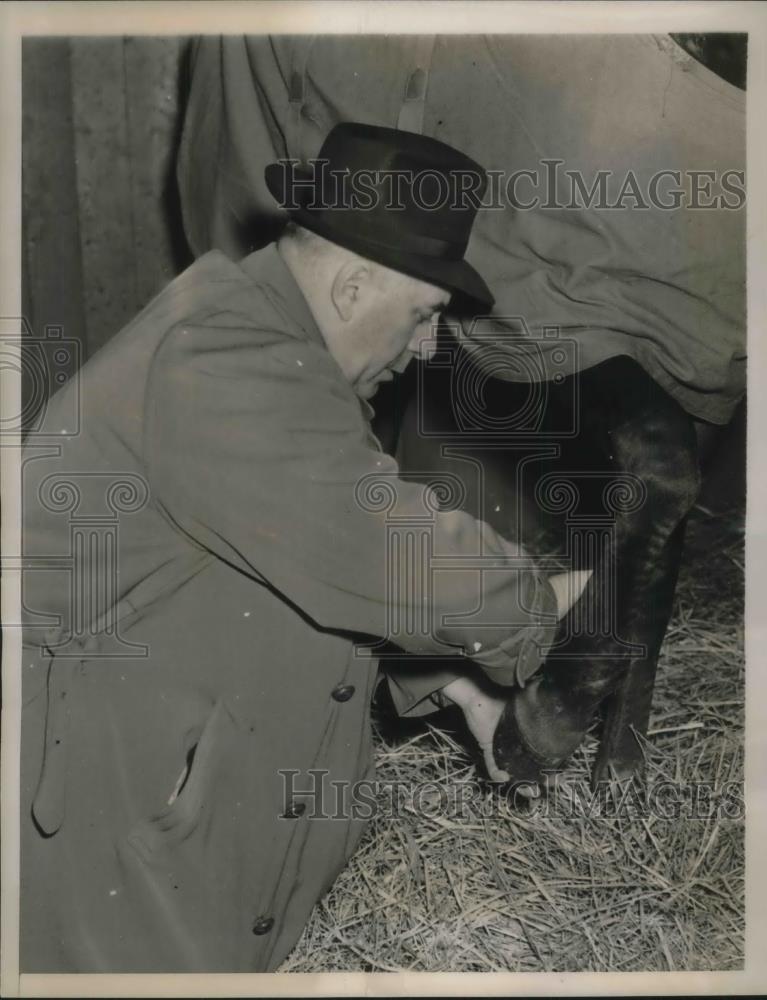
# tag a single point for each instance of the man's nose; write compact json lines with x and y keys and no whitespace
{"x":401,"y":363}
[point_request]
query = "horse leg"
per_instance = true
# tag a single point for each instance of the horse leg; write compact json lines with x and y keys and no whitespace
{"x":656,"y":442}
{"x":651,"y":438}
{"x":627,"y":709}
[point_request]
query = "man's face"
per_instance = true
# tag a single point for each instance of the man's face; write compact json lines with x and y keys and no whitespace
{"x":393,"y":321}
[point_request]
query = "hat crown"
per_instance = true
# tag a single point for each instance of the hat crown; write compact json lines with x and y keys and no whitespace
{"x":375,"y":147}
{"x":401,"y":198}
{"x":402,"y":181}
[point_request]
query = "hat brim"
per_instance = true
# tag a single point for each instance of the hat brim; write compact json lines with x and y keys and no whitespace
{"x":456,"y":276}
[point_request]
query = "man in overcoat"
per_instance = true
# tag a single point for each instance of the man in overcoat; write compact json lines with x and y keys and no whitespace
{"x":207,"y":552}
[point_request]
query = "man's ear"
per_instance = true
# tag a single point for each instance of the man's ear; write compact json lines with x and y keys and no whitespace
{"x":349,"y":286}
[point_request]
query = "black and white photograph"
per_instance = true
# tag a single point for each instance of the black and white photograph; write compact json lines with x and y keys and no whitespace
{"x":375,"y":473}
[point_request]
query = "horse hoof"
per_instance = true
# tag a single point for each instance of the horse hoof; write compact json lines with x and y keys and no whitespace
{"x":513,"y":753}
{"x":517,"y":750}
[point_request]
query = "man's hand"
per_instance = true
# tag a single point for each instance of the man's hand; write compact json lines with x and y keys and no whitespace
{"x":482,"y":712}
{"x":568,"y":587}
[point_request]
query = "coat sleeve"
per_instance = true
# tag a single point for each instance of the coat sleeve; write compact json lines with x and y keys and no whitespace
{"x":258,"y":451}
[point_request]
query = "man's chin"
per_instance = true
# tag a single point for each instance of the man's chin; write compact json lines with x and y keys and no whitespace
{"x":366,"y":390}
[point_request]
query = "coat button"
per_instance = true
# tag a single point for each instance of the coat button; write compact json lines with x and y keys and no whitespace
{"x":343,"y":692}
{"x":294,"y":809}
{"x":263,"y":925}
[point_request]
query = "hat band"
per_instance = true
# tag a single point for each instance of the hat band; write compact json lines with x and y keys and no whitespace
{"x":424,"y":246}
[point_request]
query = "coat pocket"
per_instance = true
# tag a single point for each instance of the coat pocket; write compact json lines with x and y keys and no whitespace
{"x":190,"y":802}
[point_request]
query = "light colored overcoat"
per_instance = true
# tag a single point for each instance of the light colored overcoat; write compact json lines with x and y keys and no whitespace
{"x":206,"y":534}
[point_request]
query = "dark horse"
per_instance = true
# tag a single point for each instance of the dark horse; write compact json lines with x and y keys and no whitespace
{"x":610,"y":490}
{"x":613,"y":495}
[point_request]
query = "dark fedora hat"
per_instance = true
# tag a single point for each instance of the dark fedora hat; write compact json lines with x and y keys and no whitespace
{"x":399,"y":198}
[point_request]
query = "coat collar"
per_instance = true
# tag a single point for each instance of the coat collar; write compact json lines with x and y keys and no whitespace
{"x":266,"y":267}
